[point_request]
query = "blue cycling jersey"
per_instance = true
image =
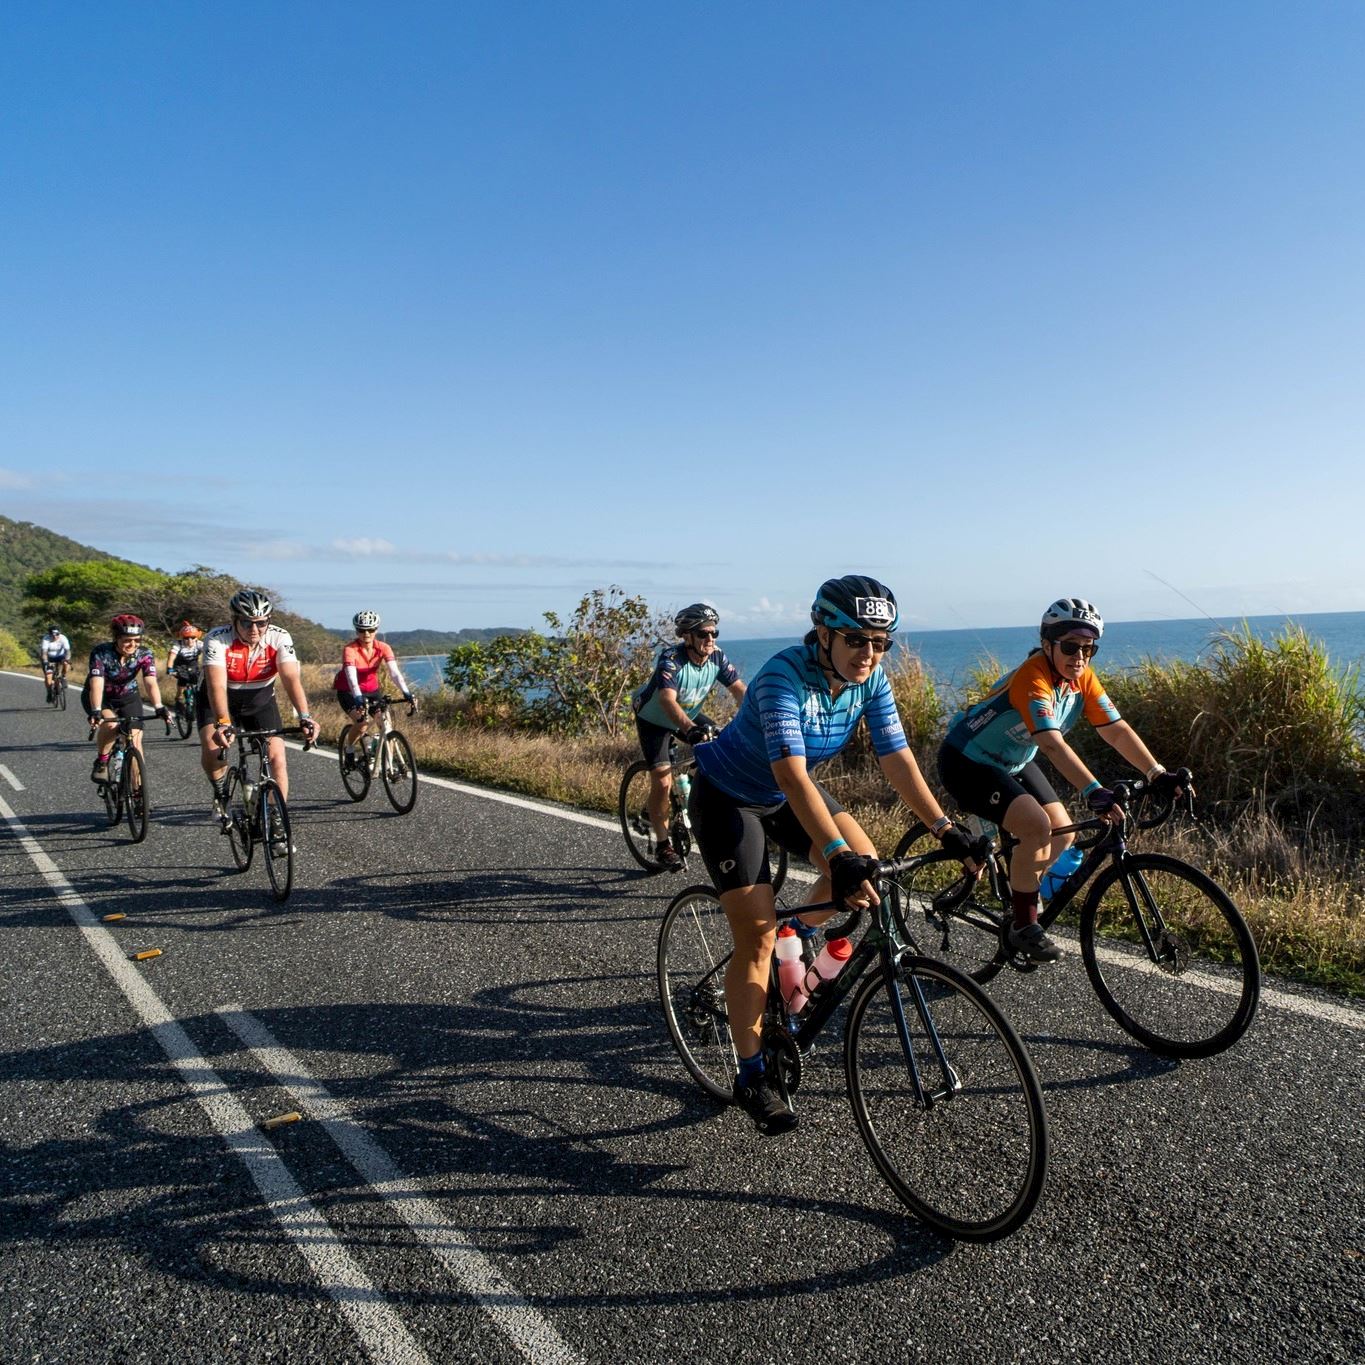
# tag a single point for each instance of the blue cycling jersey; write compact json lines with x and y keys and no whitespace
{"x":790,"y":712}
{"x":692,"y":682}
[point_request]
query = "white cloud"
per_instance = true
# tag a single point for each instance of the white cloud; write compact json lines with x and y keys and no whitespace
{"x":365,"y":546}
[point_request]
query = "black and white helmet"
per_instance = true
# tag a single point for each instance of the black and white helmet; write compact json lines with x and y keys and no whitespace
{"x":365,"y":620}
{"x":250,"y":604}
{"x":855,"y":602}
{"x":694,"y":617}
{"x":1070,"y":613}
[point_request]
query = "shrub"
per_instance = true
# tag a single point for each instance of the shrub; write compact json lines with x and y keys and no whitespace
{"x":12,"y":653}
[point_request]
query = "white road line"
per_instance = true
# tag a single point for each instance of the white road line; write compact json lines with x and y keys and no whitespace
{"x":380,"y":1330}
{"x":10,"y":778}
{"x":530,"y":1333}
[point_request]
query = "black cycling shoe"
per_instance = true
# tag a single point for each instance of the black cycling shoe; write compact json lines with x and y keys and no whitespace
{"x":667,"y":858}
{"x":765,"y":1106}
{"x":1033,"y":943}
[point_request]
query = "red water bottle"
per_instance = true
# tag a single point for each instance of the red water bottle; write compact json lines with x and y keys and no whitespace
{"x":791,"y":971}
{"x":828,"y":964}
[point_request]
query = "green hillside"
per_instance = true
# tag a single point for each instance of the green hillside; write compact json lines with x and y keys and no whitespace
{"x":28,"y":549}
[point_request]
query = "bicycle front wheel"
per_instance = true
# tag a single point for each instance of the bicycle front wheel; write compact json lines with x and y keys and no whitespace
{"x":968,"y":936}
{"x":957,"y":1127}
{"x":1169,"y":956}
{"x":399,"y":771}
{"x":277,"y":840}
{"x":695,"y":947}
{"x":238,"y":827}
{"x":633,"y":810}
{"x":134,"y":783}
{"x":184,"y":718}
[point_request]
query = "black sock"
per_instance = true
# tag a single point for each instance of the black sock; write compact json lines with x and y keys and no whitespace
{"x":1025,"y":908}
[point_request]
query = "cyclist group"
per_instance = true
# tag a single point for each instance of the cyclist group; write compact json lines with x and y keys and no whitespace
{"x":754,"y":779}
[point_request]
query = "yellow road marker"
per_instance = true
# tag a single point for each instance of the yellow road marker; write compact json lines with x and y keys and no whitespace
{"x":146,"y":953}
{"x":293,"y":1116}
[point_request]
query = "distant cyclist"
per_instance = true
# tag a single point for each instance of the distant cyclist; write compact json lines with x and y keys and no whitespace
{"x":185,"y":657}
{"x":988,"y":758}
{"x":755,"y":782}
{"x":670,"y":703}
{"x":54,"y":653}
{"x":241,"y":662}
{"x":111,"y":686}
{"x":358,"y":680}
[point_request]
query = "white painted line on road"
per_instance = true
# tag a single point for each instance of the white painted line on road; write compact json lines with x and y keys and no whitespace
{"x":530,"y":1333}
{"x":10,"y":778}
{"x":380,"y":1330}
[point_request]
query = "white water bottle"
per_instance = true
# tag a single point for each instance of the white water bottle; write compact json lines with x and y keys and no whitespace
{"x":829,"y":962}
{"x":1066,"y":862}
{"x":115,"y":765}
{"x":684,"y":785}
{"x":791,"y":971}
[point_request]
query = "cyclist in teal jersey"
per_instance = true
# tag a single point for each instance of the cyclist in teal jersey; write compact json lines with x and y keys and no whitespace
{"x":754,"y":783}
{"x":670,"y":703}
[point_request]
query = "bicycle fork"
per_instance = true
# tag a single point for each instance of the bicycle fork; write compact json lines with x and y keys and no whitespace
{"x":925,"y":1098}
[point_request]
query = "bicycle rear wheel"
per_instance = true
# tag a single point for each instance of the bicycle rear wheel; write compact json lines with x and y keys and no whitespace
{"x":134,"y":783}
{"x":695,"y":947}
{"x":967,"y":937}
{"x":633,"y":810}
{"x":239,"y":817}
{"x":112,"y":792}
{"x":1169,"y":956}
{"x":398,"y":769}
{"x":969,"y":1156}
{"x":356,"y":778}
{"x":60,"y":699}
{"x":277,"y":851}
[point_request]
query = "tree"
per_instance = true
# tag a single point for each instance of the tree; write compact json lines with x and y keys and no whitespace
{"x":82,"y":597}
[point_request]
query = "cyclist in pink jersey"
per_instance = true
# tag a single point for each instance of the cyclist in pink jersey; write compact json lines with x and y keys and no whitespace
{"x":357,"y":681}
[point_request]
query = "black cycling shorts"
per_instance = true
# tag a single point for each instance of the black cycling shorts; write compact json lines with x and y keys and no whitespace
{"x":654,"y":739}
{"x":249,"y":708}
{"x":989,"y":792}
{"x":732,"y":837}
{"x":129,"y":704}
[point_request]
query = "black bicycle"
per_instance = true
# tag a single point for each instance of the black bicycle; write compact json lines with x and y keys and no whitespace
{"x":632,"y":809}
{"x":388,"y":753}
{"x":1166,"y":950}
{"x":56,"y":690}
{"x":124,"y":786}
{"x":947,"y":1100}
{"x":254,"y":812}
{"x":185,"y":703}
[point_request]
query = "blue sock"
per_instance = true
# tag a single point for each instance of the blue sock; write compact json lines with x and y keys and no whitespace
{"x":751,"y":1068}
{"x":804,"y":930}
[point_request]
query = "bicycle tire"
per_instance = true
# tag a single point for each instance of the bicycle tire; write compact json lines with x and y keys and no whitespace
{"x":60,"y":699}
{"x":356,"y":779}
{"x":113,"y":796}
{"x":632,"y":809}
{"x":184,"y":718}
{"x":398,"y":769}
{"x":133,"y":780}
{"x":971,"y":1163}
{"x":1198,"y":994}
{"x":968,"y":937}
{"x":695,"y":946}
{"x":278,"y":854}
{"x":239,"y":816}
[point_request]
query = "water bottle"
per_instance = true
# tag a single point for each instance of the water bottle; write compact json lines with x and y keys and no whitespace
{"x":791,"y":971}
{"x":1055,"y":877}
{"x":829,"y":962}
{"x":683,"y":783}
{"x":115,"y":765}
{"x":372,"y":746}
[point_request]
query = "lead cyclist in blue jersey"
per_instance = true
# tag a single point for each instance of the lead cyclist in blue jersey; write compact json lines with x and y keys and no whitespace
{"x":754,"y":782}
{"x":670,"y":703}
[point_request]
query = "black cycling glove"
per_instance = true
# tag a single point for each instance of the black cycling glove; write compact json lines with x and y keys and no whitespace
{"x":957,"y":843}
{"x":1164,"y":786}
{"x":697,"y":734}
{"x":1101,"y":800}
{"x":847,"y":873}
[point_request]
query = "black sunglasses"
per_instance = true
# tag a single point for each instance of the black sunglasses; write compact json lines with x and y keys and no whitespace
{"x":707,"y":634}
{"x":879,"y":644}
{"x":1073,"y":647}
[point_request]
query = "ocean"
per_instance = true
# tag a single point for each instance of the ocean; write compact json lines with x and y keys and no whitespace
{"x":950,"y":654}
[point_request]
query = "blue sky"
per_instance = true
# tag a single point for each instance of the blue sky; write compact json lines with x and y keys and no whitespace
{"x":457,"y":311}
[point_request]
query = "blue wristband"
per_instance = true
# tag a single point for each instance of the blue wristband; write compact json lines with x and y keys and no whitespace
{"x":1094,"y":786}
{"x":833,"y":845}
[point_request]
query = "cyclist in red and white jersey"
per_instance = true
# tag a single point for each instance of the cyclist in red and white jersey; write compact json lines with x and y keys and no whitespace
{"x":241,"y":662}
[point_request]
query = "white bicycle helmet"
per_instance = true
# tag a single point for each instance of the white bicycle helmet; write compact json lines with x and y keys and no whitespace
{"x":365,"y":620}
{"x":1070,"y":613}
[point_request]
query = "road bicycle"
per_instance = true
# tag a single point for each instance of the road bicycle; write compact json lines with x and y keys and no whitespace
{"x":184,"y":705}
{"x":56,"y":693}
{"x":632,"y":809}
{"x":254,"y":811}
{"x":1166,"y":950}
{"x":946,"y":1097}
{"x":389,"y":753}
{"x":124,"y":785}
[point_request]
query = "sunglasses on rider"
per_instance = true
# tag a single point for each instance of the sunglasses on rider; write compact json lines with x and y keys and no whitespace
{"x":707,"y":634}
{"x":1087,"y":648}
{"x":878,"y":644}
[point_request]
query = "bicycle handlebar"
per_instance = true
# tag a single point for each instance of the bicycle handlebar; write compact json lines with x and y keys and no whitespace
{"x":285,"y":732}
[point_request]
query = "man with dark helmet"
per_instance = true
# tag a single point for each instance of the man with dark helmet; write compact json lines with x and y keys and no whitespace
{"x":754,"y":783}
{"x":670,"y":703}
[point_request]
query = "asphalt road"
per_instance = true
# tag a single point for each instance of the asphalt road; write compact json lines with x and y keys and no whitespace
{"x":500,"y":1157}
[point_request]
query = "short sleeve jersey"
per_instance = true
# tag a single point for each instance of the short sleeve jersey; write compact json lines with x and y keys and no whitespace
{"x":186,"y":654}
{"x":120,"y":674}
{"x":692,"y":682}
{"x":366,"y":664}
{"x":789,"y":711}
{"x":54,"y":647}
{"x":999,"y":730}
{"x":248,"y":666}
